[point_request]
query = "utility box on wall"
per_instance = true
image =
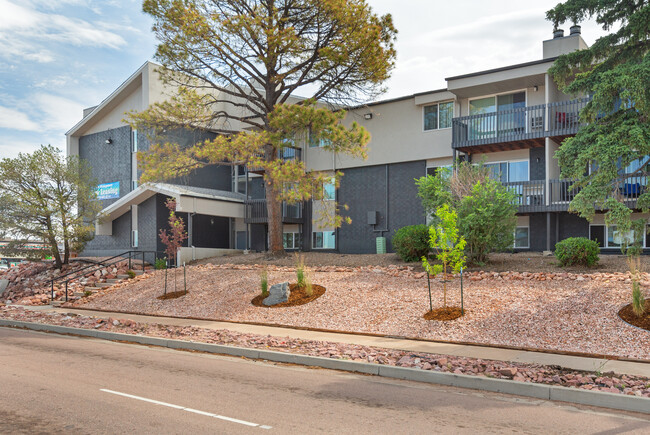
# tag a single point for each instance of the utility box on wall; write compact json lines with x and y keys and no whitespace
{"x":372,"y":218}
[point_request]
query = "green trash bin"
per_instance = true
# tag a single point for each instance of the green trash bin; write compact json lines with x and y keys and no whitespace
{"x":381,"y":245}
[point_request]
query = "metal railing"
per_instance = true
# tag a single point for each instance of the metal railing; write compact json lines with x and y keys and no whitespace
{"x":561,"y":118}
{"x":256,"y":212}
{"x":88,"y":270}
{"x":503,"y":126}
{"x":531,"y":195}
{"x":564,"y":116}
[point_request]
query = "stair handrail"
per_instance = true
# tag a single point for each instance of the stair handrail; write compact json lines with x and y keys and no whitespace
{"x":105,"y":263}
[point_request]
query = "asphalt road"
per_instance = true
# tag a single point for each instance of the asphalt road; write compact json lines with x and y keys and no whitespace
{"x":58,"y":384}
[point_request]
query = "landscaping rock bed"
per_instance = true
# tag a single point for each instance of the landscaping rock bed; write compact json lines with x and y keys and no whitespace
{"x":558,"y":312}
{"x":608,"y":382}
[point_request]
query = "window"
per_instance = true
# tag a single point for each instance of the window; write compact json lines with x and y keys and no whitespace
{"x":522,"y":237}
{"x":509,"y":171}
{"x":292,"y":240}
{"x":134,"y":184}
{"x":434,"y":170}
{"x":437,"y":116}
{"x":324,"y":240}
{"x":134,"y":238}
{"x":609,"y":237}
{"x":315,"y":142}
{"x":134,"y":141}
{"x":508,"y":122}
{"x":329,"y":190}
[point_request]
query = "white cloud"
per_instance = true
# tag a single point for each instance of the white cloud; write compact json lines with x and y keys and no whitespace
{"x":16,"y":120}
{"x":23,"y":29}
{"x":57,"y":113}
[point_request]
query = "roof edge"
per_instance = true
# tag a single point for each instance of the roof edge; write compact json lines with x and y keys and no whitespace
{"x":503,"y":68}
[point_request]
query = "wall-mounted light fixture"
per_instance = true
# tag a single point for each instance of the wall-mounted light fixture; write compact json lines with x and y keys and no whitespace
{"x":535,"y":88}
{"x":367,"y":116}
{"x":108,"y":141}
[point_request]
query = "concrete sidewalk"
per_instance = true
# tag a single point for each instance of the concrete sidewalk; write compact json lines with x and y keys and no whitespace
{"x":470,"y":351}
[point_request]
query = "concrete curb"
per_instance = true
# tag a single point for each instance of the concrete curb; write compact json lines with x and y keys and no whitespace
{"x":526,"y":389}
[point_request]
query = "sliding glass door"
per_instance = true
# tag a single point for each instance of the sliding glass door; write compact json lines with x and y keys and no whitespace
{"x":495,"y":116}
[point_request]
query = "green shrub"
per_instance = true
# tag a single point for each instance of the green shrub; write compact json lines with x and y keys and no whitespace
{"x":411,"y":243}
{"x":264,"y":282}
{"x":130,"y":273}
{"x":300,"y":270}
{"x":161,"y":263}
{"x":578,"y":251}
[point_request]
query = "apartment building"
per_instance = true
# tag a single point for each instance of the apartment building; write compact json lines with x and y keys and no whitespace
{"x":512,"y":118}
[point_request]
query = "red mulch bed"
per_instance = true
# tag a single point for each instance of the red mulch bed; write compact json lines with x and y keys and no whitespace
{"x":173,"y":295}
{"x":643,"y":321}
{"x":297,"y":296}
{"x":444,"y":314}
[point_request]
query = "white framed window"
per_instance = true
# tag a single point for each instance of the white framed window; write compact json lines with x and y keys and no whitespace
{"x":522,"y":238}
{"x":323,"y":240}
{"x":329,"y":190}
{"x":292,"y":240}
{"x":438,"y":116}
{"x":607,"y":236}
{"x":134,"y":238}
{"x":506,"y":171}
{"x":134,"y":141}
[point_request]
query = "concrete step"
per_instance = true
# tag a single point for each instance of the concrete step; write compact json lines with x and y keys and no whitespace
{"x":138,"y":272}
{"x":120,"y":276}
{"x":92,"y":289}
{"x":104,"y":284}
{"x":57,"y":303}
{"x":79,"y":294}
{"x":113,"y":280}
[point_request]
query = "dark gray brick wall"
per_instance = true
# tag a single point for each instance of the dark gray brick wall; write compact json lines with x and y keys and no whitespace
{"x":364,"y":189}
{"x":570,"y":225}
{"x":537,"y":169}
{"x":147,"y":225}
{"x":119,"y":242}
{"x":109,"y":162}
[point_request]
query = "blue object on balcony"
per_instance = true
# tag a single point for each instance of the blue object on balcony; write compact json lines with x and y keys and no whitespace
{"x":631,"y":189}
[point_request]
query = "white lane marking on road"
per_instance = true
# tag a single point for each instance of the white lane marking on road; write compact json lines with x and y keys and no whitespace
{"x":182,"y":408}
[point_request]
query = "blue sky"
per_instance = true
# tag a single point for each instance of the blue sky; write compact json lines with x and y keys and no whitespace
{"x":60,"y":56}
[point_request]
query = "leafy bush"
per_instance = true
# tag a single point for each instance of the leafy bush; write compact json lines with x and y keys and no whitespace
{"x":578,"y":251}
{"x":300,"y":270}
{"x":161,"y":263}
{"x":486,"y":209}
{"x":130,"y":273}
{"x":411,"y":243}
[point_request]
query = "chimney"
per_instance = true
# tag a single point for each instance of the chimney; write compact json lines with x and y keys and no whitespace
{"x":561,"y":44}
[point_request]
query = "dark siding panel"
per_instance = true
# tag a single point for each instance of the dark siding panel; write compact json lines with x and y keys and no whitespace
{"x":109,"y":162}
{"x":210,"y":231}
{"x":537,"y":169}
{"x":119,"y":242}
{"x":364,"y":190}
{"x":147,"y":229}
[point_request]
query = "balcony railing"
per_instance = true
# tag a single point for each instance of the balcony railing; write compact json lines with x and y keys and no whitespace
{"x":535,"y":196}
{"x":516,"y":125}
{"x":531,"y":195}
{"x":257,"y":213}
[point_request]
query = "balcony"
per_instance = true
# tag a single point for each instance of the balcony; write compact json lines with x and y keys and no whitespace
{"x":286,"y":153}
{"x":534,"y":196}
{"x":256,"y":212}
{"x":524,"y":127}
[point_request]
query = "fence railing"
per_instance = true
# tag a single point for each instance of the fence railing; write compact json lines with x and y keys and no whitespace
{"x":502,"y":126}
{"x":531,"y":122}
{"x":531,"y":195}
{"x":564,"y":116}
{"x":256,"y":212}
{"x":89,"y":270}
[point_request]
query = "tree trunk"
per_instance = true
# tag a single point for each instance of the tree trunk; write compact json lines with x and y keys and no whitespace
{"x":274,"y":212}
{"x":66,"y":252}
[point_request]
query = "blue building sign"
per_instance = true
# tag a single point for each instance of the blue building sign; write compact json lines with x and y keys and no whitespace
{"x":108,"y":190}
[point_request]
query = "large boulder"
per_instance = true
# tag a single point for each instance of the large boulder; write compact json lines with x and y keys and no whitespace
{"x":277,"y":294}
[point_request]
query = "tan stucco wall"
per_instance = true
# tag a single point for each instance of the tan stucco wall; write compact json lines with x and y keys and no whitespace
{"x":113,"y":117}
{"x":397,"y":135}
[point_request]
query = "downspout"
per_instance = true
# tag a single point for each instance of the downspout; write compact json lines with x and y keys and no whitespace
{"x":246,"y":244}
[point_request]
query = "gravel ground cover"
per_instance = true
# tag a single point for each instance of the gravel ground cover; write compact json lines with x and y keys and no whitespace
{"x":608,"y":382}
{"x":500,"y":262}
{"x":557,"y":312}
